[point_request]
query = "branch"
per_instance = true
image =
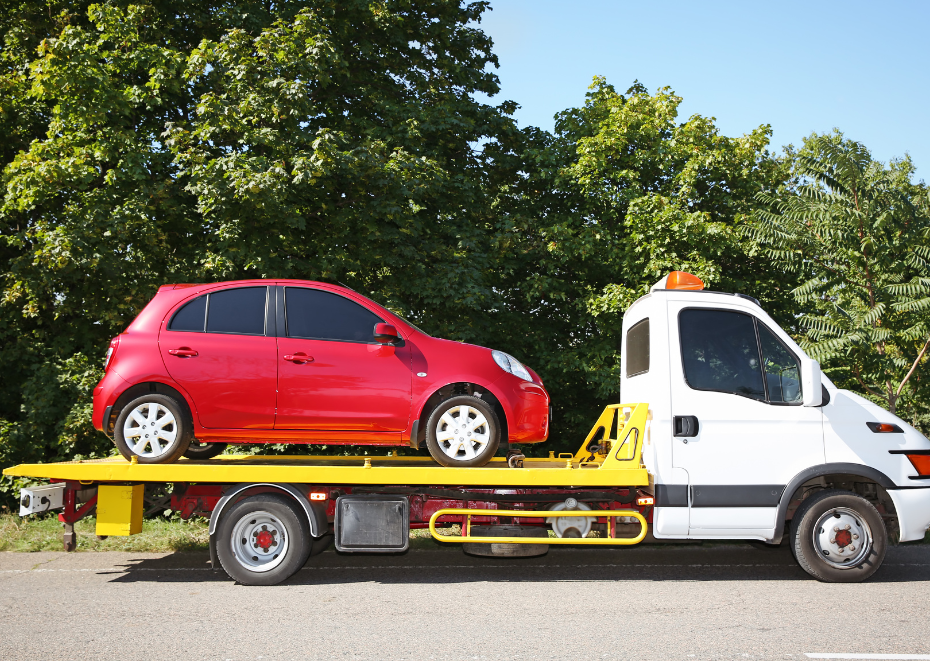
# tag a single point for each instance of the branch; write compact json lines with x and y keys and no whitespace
{"x":914,"y":366}
{"x":859,"y":377}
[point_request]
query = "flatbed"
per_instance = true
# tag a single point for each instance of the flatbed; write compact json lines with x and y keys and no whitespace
{"x":368,"y":503}
{"x":367,"y":470}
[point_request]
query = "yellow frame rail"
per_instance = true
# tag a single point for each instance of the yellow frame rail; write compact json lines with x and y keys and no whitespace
{"x":544,"y":514}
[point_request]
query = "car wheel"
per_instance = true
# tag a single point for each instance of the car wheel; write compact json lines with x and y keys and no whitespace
{"x":838,"y":537}
{"x":263,"y":540}
{"x":198,"y":450}
{"x":154,"y":429}
{"x":463,"y":431}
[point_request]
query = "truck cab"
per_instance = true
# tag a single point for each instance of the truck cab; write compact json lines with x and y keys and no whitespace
{"x":745,"y":428}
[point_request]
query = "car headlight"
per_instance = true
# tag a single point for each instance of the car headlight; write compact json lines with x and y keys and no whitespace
{"x":510,"y":364}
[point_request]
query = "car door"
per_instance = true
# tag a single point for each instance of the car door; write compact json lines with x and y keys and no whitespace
{"x":332,"y":375}
{"x":742,"y":384}
{"x":220,"y":347}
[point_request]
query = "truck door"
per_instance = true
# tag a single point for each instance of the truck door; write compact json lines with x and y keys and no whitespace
{"x":739,"y":428}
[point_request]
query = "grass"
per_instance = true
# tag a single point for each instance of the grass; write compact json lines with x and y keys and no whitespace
{"x":43,"y":533}
{"x":159,"y":535}
{"x":32,"y":533}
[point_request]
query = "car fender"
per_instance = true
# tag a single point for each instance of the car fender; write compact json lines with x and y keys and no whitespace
{"x":463,"y":378}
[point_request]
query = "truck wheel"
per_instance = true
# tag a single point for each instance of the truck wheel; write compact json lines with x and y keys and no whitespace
{"x":154,"y":429}
{"x":463,"y":431}
{"x":838,"y":537}
{"x":197,"y":450}
{"x":263,"y":540}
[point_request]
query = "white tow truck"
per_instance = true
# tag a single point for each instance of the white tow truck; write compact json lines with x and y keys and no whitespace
{"x":736,"y":435}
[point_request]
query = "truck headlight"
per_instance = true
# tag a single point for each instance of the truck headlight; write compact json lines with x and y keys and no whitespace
{"x":510,"y":364}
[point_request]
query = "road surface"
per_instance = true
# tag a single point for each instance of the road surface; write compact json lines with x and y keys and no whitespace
{"x":733,"y":601}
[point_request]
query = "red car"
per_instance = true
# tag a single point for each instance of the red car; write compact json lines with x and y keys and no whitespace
{"x":294,"y":361}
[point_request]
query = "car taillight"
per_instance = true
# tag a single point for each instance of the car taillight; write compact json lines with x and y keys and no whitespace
{"x":921,"y":462}
{"x":114,"y":343}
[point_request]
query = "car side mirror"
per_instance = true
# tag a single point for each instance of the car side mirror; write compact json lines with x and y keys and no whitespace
{"x":811,"y":386}
{"x":386,"y":334}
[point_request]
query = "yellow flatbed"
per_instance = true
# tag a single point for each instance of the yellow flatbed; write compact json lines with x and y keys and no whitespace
{"x":340,"y":470}
{"x":620,"y":466}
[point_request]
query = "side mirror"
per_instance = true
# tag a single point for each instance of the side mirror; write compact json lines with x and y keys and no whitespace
{"x":386,"y":334}
{"x":811,"y":387}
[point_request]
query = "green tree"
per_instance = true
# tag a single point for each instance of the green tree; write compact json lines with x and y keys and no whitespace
{"x":170,"y":141}
{"x":858,"y":233}
{"x":622,"y":193}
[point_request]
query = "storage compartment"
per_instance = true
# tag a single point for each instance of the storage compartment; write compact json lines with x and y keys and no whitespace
{"x":374,"y":524}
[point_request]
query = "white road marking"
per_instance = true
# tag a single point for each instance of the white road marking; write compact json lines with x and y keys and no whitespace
{"x":867,"y":656}
{"x":508,"y":566}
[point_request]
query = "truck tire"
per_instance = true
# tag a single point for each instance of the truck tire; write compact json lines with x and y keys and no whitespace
{"x":463,"y":431}
{"x":155,"y":429}
{"x":263,"y":540}
{"x":838,"y":537}
{"x":200,"y":451}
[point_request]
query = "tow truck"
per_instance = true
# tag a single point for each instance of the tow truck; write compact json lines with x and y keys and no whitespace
{"x":733,"y":433}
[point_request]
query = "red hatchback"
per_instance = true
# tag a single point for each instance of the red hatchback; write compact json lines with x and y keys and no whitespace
{"x":294,"y":361}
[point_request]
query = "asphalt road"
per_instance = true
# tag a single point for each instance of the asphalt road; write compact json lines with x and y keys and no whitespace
{"x":698,"y":602}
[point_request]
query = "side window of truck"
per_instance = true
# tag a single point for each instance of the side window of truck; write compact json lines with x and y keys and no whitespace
{"x":320,"y":315}
{"x":782,"y":372}
{"x":720,"y":353}
{"x":637,"y":349}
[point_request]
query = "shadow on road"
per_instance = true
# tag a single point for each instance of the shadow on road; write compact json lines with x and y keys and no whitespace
{"x":719,"y":562}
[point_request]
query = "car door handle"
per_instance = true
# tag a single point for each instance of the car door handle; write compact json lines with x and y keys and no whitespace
{"x":298,"y":357}
{"x":686,"y":425}
{"x":183,"y":352}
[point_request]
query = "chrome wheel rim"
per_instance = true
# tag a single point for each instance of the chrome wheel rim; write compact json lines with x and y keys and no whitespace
{"x":842,"y":538}
{"x":259,"y":542}
{"x":150,"y":430}
{"x":463,"y":433}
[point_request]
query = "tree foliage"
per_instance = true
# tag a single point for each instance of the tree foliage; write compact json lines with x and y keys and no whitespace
{"x":168,"y":141}
{"x":622,"y":193}
{"x":342,"y":140}
{"x":858,"y":234}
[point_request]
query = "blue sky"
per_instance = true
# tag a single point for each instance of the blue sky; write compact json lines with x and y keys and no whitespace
{"x":802,"y":67}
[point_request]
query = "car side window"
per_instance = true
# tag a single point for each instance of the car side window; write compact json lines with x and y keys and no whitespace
{"x":637,"y":349}
{"x":321,"y":315}
{"x":719,"y":352}
{"x":238,"y":311}
{"x":782,"y":372}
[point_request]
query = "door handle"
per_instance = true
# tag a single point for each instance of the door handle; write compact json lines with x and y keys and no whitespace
{"x":686,"y":425}
{"x":298,"y":357}
{"x":183,"y":352}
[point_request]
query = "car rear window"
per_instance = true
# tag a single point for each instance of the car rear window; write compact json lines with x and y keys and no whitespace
{"x":191,"y":317}
{"x":321,"y":315}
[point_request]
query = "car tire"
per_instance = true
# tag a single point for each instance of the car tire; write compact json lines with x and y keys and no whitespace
{"x":479,"y":438}
{"x":263,"y":540}
{"x":838,"y":537}
{"x":155,"y":429}
{"x":201,"y":451}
